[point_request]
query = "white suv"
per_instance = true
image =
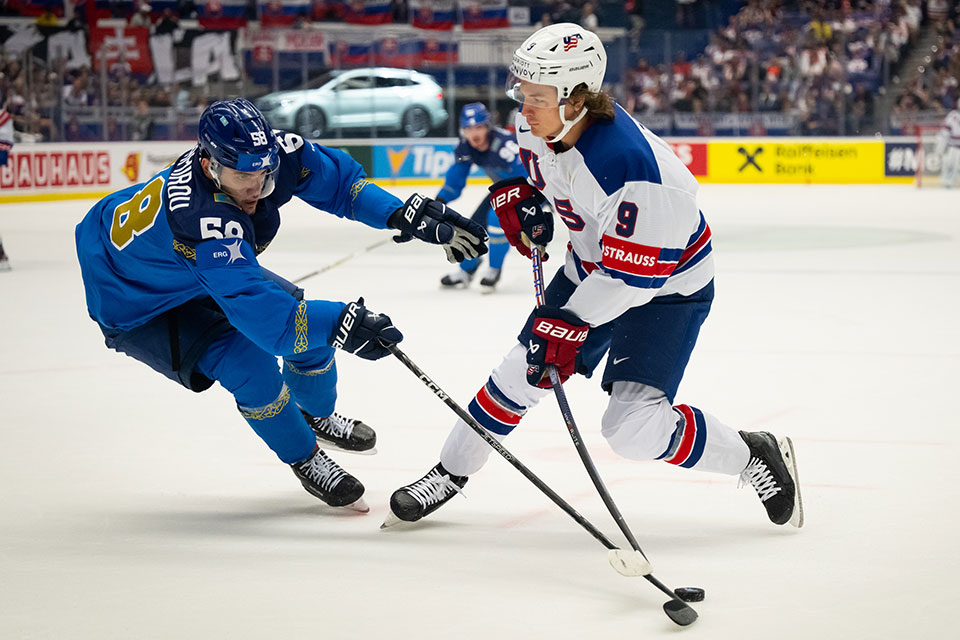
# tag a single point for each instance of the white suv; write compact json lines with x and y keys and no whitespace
{"x":375,"y":97}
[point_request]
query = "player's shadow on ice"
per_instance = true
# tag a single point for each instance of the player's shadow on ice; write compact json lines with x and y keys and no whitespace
{"x":255,"y":518}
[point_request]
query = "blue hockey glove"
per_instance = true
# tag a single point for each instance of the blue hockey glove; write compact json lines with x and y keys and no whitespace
{"x":364,"y":333}
{"x":436,"y":223}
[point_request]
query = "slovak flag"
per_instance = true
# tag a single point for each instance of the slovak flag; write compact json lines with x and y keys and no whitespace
{"x":222,"y":14}
{"x":274,"y":13}
{"x":127,"y":45}
{"x":437,"y":15}
{"x":368,"y":12}
{"x":484,"y":14}
{"x":391,"y":52}
{"x":437,"y":52}
{"x":349,"y":54}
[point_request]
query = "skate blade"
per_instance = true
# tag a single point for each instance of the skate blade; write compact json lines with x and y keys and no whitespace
{"x":629,"y":563}
{"x":488,"y":290}
{"x":327,"y":445}
{"x":391,"y":520}
{"x":786,"y":450}
{"x":359,"y":505}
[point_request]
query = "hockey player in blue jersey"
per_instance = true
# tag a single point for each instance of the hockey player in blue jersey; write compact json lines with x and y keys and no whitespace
{"x":171,"y":276}
{"x":495,"y":151}
{"x":635,"y":285}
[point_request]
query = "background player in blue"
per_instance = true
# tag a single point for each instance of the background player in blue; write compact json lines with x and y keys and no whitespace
{"x":171,"y":276}
{"x":496,"y":152}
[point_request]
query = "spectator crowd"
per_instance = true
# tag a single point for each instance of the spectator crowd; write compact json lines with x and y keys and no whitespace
{"x":933,"y":87}
{"x":822,"y":62}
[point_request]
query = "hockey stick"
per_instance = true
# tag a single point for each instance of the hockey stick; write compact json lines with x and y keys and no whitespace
{"x":679,"y":611}
{"x":627,"y":563}
{"x":339,"y":262}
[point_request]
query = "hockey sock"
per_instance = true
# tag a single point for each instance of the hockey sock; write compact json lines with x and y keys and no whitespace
{"x":499,"y":247}
{"x":281,"y":425}
{"x":470,"y":265}
{"x":463,"y":452}
{"x":313,"y":381}
{"x":702,"y":442}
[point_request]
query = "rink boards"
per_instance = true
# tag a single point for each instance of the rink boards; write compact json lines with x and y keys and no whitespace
{"x":55,"y":171}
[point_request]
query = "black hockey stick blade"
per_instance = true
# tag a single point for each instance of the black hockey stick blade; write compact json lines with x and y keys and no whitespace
{"x":680,"y":612}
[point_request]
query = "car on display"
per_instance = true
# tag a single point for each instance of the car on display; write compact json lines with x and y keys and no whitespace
{"x":370,"y":98}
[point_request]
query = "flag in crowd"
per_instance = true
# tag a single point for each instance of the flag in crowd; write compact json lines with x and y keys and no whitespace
{"x":484,"y":14}
{"x":437,"y":15}
{"x":368,"y":12}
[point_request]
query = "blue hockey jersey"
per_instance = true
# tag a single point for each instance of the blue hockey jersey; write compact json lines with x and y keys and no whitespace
{"x":154,"y":246}
{"x":500,"y":161}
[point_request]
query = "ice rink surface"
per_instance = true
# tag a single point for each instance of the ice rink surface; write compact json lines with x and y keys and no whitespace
{"x":132,"y":508}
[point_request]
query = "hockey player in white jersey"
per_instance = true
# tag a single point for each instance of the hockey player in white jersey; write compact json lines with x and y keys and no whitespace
{"x":636,"y":284}
{"x":948,"y":146}
{"x":6,"y":144}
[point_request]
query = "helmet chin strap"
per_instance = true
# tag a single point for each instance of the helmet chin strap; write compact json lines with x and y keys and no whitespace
{"x":268,"y":185}
{"x":214,"y":170}
{"x":567,"y":125}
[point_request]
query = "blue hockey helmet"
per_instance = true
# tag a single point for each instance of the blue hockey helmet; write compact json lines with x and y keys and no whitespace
{"x":473,"y":114}
{"x":234,"y":134}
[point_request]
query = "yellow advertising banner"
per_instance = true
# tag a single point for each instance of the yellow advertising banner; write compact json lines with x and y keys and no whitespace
{"x":795,"y":161}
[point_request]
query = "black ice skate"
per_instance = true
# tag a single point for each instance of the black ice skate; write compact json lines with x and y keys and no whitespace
{"x":490,"y":279}
{"x":423,"y":497}
{"x":458,"y":279}
{"x":772,"y":471}
{"x":342,"y":433}
{"x":327,"y":480}
{"x":4,"y":261}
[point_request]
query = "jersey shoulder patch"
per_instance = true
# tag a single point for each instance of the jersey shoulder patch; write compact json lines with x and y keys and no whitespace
{"x":222,"y":197}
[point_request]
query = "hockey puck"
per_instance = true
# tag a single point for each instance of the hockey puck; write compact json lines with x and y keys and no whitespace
{"x":690,"y":594}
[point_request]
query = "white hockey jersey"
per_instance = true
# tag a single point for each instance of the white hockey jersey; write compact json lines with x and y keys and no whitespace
{"x":630,"y":205}
{"x":6,"y":136}
{"x":951,"y":128}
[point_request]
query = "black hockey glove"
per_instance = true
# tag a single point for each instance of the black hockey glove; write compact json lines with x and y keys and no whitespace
{"x":436,"y":223}
{"x":364,"y":333}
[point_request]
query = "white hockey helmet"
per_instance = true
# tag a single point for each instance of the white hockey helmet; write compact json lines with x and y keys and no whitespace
{"x":562,"y":56}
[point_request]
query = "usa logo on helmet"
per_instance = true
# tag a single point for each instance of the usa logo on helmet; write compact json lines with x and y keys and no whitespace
{"x":571,"y":41}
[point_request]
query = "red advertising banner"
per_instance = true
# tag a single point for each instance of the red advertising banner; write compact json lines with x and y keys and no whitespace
{"x":693,"y":155}
{"x":44,"y":169}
